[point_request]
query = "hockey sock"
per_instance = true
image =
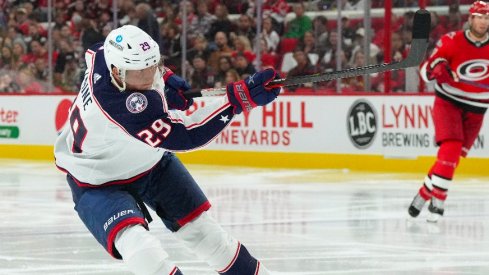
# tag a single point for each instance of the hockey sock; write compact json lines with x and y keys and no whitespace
{"x":142,"y":252}
{"x":447,"y":159}
{"x":215,"y":246}
{"x":425,"y":190}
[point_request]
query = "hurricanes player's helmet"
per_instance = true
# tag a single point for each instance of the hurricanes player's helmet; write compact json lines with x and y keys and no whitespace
{"x":129,"y":48}
{"x":479,"y":8}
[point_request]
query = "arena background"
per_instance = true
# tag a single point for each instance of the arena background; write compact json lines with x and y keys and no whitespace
{"x":377,"y":123}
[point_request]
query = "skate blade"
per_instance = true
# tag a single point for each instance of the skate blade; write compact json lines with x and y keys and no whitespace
{"x":433,"y":217}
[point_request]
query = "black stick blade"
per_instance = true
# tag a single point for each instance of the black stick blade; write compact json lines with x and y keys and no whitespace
{"x":421,"y":24}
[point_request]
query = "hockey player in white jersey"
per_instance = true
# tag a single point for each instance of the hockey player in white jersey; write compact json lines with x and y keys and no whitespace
{"x":117,"y":153}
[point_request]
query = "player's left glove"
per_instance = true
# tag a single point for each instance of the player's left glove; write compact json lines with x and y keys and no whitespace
{"x":175,"y":86}
{"x":253,"y":91}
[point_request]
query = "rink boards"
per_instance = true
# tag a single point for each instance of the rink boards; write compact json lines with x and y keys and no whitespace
{"x":373,"y":132}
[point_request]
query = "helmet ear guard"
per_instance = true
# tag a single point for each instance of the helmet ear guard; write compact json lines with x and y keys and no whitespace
{"x":129,"y":48}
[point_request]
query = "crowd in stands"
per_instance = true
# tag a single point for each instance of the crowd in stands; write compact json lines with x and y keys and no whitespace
{"x":221,"y":39}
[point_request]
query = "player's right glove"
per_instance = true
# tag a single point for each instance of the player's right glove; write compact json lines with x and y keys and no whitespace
{"x":441,"y":72}
{"x":251,"y":92}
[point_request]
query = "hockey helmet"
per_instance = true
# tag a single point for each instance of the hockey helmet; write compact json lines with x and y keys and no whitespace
{"x":479,"y":8}
{"x":129,"y":48}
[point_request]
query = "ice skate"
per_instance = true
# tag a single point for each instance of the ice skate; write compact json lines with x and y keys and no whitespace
{"x":416,"y":205}
{"x":436,"y":209}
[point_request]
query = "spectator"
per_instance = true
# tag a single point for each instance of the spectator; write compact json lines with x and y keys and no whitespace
{"x":304,"y":66}
{"x":223,"y":49}
{"x":454,"y":18}
{"x":199,"y":48}
{"x":192,"y":19}
{"x":223,"y":68}
{"x":41,"y":70}
{"x":308,"y":43}
{"x":270,"y":35}
{"x":147,"y":22}
{"x":242,"y":46}
{"x":269,"y":59}
{"x":221,"y":23}
{"x":243,"y":66}
{"x":231,"y":76}
{"x":320,"y":31}
{"x":19,"y":50}
{"x":172,"y":48}
{"x":204,"y":18}
{"x":246,"y":27}
{"x":71,"y":75}
{"x":7,"y":60}
{"x":203,"y":76}
{"x":90,"y":34}
{"x":328,"y":61}
{"x":277,"y":10}
{"x":7,"y":83}
{"x":37,"y":51}
{"x":300,"y":24}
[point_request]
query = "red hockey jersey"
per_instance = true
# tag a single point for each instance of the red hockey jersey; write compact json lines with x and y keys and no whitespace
{"x":469,"y":59}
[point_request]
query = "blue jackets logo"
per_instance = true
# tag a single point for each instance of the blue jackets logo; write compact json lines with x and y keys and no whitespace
{"x":136,"y":103}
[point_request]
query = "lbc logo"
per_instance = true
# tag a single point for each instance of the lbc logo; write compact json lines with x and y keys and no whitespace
{"x":362,"y":124}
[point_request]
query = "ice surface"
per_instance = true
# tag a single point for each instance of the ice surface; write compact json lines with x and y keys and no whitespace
{"x":294,"y":221}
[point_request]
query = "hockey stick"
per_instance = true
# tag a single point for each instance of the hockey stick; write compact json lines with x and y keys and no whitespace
{"x":419,"y":44}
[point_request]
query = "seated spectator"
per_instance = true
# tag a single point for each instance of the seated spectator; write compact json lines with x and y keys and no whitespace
{"x":147,"y":22}
{"x":203,"y":76}
{"x":243,"y":66}
{"x":19,"y":50}
{"x":300,"y":24}
{"x":269,"y":59}
{"x":231,"y":76}
{"x":70,"y":80}
{"x":320,"y":31}
{"x":7,"y":83}
{"x":221,"y":23}
{"x":171,"y":47}
{"x":222,"y":49}
{"x":242,"y":46}
{"x":270,"y":35}
{"x":223,"y":68}
{"x":303,"y":67}
{"x":90,"y":34}
{"x":199,"y":48}
{"x":204,"y":18}
{"x":245,"y":27}
{"x":7,"y":58}
{"x":277,"y":10}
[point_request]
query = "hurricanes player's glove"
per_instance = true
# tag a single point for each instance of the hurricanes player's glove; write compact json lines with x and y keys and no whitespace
{"x":174,"y":88}
{"x":251,"y":92}
{"x":442,"y":73}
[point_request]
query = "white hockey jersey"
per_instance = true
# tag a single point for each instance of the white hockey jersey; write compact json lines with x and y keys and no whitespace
{"x":116,"y":137}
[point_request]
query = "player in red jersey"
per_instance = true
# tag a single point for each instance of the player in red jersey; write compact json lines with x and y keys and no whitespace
{"x":460,"y":66}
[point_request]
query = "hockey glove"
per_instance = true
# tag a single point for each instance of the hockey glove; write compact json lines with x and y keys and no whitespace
{"x":251,"y":92}
{"x":174,"y":88}
{"x":441,"y":72}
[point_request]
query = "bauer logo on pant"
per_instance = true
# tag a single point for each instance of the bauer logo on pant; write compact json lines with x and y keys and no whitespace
{"x":362,"y":124}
